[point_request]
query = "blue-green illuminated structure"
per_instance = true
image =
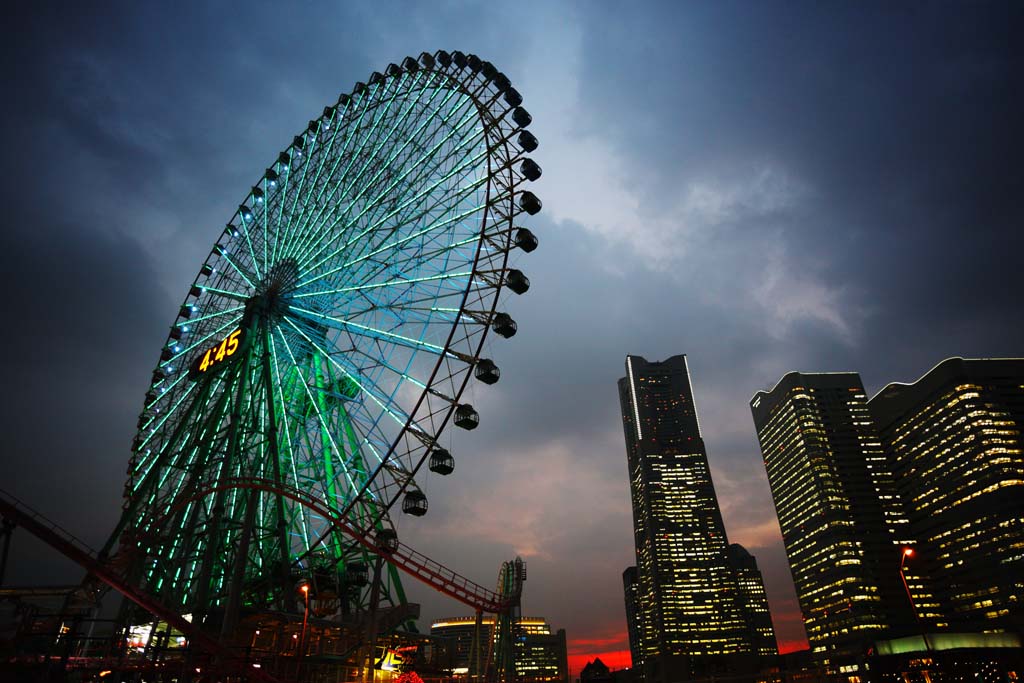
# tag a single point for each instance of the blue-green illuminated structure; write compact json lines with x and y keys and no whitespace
{"x":325,"y":344}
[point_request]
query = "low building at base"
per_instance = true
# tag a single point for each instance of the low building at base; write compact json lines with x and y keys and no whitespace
{"x":540,"y":654}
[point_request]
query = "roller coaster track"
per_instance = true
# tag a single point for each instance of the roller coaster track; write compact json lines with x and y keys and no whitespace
{"x":74,"y":549}
{"x":405,"y":558}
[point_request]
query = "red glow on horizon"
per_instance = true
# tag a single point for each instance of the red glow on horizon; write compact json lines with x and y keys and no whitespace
{"x":613,"y":659}
{"x":613,"y":650}
{"x":787,"y":646}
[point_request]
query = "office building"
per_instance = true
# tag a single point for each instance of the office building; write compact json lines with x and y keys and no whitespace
{"x":754,"y":599}
{"x":954,"y":441}
{"x":692,"y":618}
{"x":843,"y":525}
{"x":540,"y":655}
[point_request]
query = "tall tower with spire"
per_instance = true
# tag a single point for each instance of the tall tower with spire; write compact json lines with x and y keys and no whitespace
{"x":693,"y":614}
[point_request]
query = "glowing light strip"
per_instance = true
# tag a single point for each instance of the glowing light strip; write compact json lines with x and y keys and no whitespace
{"x":693,"y":399}
{"x":632,"y":390}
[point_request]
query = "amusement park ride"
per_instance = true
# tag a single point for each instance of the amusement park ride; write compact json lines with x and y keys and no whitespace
{"x":319,"y":354}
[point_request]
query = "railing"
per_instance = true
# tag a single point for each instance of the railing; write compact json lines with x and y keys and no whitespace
{"x":74,"y":549}
{"x":25,"y":510}
{"x":416,"y":564}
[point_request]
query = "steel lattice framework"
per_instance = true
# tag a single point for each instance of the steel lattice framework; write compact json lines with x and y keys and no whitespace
{"x":327,"y":340}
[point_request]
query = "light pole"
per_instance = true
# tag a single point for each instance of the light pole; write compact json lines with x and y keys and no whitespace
{"x":909,"y":552}
{"x":301,"y":654}
{"x":305,"y":616}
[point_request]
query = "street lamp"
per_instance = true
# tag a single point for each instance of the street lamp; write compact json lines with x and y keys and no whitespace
{"x":305,"y":616}
{"x":909,"y":552}
{"x":304,"y":589}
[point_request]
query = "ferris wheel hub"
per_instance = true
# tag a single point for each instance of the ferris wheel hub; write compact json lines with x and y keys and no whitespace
{"x":274,"y":295}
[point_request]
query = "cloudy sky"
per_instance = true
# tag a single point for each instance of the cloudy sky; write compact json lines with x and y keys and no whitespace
{"x":763,"y":186}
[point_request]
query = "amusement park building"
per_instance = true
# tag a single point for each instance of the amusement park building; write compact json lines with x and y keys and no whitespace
{"x":540,"y":655}
{"x":694,"y":619}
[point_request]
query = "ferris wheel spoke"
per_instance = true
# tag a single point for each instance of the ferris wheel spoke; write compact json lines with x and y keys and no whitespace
{"x":385,"y":403}
{"x":397,"y":283}
{"x":375,"y":216}
{"x":297,"y":194}
{"x":245,"y":230}
{"x":443,"y":226}
{"x":343,"y":181}
{"x":211,"y":316}
{"x":416,"y":256}
{"x":404,"y":177}
{"x":412,"y":256}
{"x":383,"y":166}
{"x":312,"y":400}
{"x":346,"y":180}
{"x":293,"y":435}
{"x":225,"y":254}
{"x":281,"y":223}
{"x":299,"y":225}
{"x":227,"y":294}
{"x":170,"y":446}
{"x":162,"y":421}
{"x":412,"y":201}
{"x":363,"y":330}
{"x":384,"y":266}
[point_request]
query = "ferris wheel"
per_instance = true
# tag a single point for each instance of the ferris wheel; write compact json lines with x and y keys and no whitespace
{"x":326,"y":341}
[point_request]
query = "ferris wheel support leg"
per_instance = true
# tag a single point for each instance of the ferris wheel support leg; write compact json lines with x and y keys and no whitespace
{"x":371,"y":626}
{"x":202,"y":607}
{"x":230,"y":621}
{"x":474,"y":648}
{"x":287,"y":596}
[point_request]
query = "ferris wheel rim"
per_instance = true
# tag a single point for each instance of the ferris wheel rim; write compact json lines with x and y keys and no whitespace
{"x":467,"y":330}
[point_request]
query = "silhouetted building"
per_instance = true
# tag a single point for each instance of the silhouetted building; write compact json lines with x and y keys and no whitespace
{"x":540,"y":655}
{"x":691,"y":617}
{"x":842,"y":524}
{"x":754,"y":600}
{"x":595,"y":671}
{"x":954,"y":440}
{"x":630,"y":588}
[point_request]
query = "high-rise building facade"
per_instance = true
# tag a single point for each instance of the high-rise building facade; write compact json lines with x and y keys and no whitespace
{"x":691,"y":611}
{"x":954,"y":442}
{"x":631,"y":589}
{"x":753,"y":596}
{"x":842,"y":523}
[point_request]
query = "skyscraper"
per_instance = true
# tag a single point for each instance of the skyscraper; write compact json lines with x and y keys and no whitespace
{"x":954,"y":441}
{"x":692,"y":617}
{"x":753,"y":596}
{"x":842,"y":524}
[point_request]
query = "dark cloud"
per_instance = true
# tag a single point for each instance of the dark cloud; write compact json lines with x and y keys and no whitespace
{"x":765,"y":187}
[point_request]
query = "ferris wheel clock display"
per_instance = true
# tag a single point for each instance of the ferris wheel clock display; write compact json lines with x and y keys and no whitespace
{"x":327,"y":339}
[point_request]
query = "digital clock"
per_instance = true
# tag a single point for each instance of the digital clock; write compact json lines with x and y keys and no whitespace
{"x":217,"y":355}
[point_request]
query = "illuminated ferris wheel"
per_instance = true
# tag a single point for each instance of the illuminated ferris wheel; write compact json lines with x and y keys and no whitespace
{"x":327,"y":339}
